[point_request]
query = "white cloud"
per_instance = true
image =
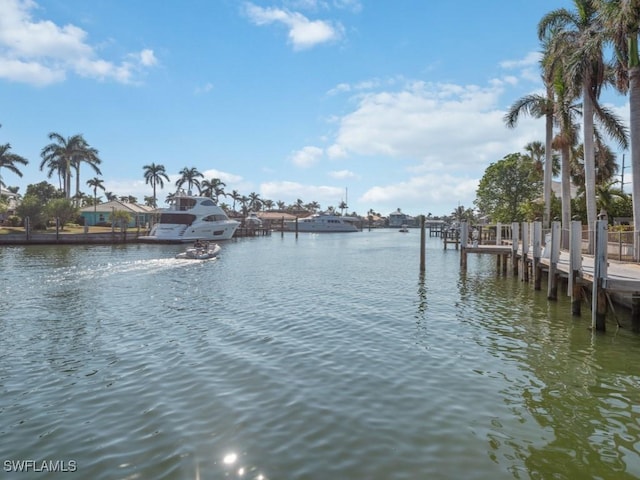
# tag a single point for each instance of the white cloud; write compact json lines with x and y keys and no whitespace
{"x":307,"y":156}
{"x":342,"y":174}
{"x":39,"y":52}
{"x":303,"y":33}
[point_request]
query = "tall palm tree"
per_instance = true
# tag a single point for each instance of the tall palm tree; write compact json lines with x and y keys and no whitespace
{"x":155,"y":175}
{"x":91,"y":158}
{"x":566,"y":113}
{"x":538,"y":106}
{"x":9,"y":160}
{"x":66,"y":153}
{"x":95,"y":183}
{"x":621,"y":20}
{"x":190,"y":177}
{"x":581,"y":44}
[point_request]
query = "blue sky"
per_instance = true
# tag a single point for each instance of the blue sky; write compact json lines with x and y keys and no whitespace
{"x":383,"y":104}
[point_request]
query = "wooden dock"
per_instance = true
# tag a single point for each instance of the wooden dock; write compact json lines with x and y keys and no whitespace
{"x":608,"y":281}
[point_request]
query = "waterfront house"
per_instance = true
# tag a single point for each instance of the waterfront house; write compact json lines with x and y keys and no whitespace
{"x":397,"y":219}
{"x":101,"y":214}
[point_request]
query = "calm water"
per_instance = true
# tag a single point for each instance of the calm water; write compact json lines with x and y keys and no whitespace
{"x":325,"y":357}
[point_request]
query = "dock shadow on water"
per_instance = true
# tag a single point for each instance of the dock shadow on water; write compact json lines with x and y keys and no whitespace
{"x":325,"y":356}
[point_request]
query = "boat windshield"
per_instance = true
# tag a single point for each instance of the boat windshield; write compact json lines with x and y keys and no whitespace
{"x":215,"y":218}
{"x":177,"y":218}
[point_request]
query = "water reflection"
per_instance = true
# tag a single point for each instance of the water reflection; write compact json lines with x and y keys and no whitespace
{"x":573,"y":400}
{"x":421,"y":310}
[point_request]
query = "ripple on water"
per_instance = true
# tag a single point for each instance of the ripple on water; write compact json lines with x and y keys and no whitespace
{"x":322,"y":357}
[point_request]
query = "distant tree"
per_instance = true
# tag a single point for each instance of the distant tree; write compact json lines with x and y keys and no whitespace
{"x":507,"y":186}
{"x":95,"y":183}
{"x":155,"y":175}
{"x":121,"y":219}
{"x":267,"y":204}
{"x":255,"y":202}
{"x":150,"y":201}
{"x":62,"y":209}
{"x":110,"y":196}
{"x":33,"y":208}
{"x":343,"y":206}
{"x":44,"y":192}
{"x":213,"y":188}
{"x":235,"y":196}
{"x":63,"y":154}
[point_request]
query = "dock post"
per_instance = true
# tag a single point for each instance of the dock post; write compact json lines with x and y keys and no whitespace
{"x":498,"y":233}
{"x":537,"y":253}
{"x":525,"y":252}
{"x":635,"y":312}
{"x":296,"y":227}
{"x":575,"y":263}
{"x":599,"y":294}
{"x":282,"y":227}
{"x":422,"y":244}
{"x":464,"y":235}
{"x":515,"y":241}
{"x":554,"y":256}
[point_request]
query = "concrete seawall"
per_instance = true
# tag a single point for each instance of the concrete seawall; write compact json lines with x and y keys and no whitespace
{"x":68,"y":238}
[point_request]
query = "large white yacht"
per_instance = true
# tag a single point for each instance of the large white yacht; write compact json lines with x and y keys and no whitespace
{"x":191,"y":218}
{"x":323,"y":223}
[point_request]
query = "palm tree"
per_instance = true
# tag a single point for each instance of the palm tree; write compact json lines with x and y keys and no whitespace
{"x":538,"y":106}
{"x":565,"y":117}
{"x":580,"y":44}
{"x":155,"y":174}
{"x":342,"y":206}
{"x":95,"y":183}
{"x":255,"y":202}
{"x":65,"y":153}
{"x":190,"y":177}
{"x":213,"y":188}
{"x":9,"y":160}
{"x":235,"y":196}
{"x":621,"y":20}
{"x":90,"y":157}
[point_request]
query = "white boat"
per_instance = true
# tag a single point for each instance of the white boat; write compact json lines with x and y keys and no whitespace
{"x":200,"y":251}
{"x":190,"y":218}
{"x":323,"y":223}
{"x":404,"y":229}
{"x":253,"y":220}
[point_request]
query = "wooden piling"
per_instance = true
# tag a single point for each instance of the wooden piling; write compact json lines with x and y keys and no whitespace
{"x":635,"y":312}
{"x":599,"y":297}
{"x":554,"y":256}
{"x":575,"y":267}
{"x":464,"y":235}
{"x":524,"y":260}
{"x":515,"y":241}
{"x":422,"y":244}
{"x":537,"y":252}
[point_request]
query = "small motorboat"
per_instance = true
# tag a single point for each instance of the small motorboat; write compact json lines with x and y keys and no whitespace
{"x":404,"y":229}
{"x":200,"y":251}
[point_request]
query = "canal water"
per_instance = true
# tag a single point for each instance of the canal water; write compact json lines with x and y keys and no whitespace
{"x":321,"y":357}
